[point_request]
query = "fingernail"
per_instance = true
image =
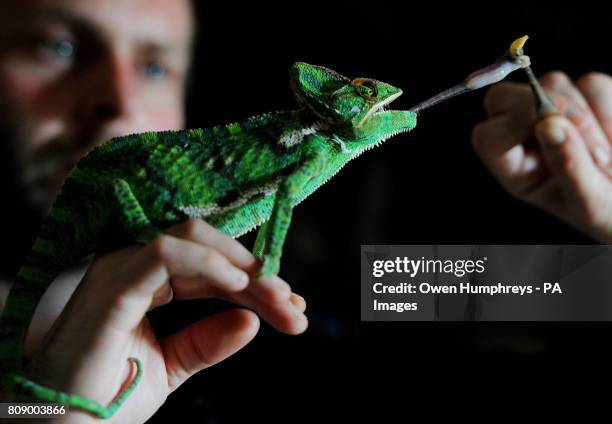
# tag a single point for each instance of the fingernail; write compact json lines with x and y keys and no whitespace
{"x":601,"y":155}
{"x":298,"y":297}
{"x":298,"y":301}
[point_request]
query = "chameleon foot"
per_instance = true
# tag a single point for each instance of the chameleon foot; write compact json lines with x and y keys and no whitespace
{"x":18,"y":383}
{"x":270,"y":267}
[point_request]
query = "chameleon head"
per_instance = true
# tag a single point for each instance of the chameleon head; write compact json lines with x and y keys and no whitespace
{"x":337,"y":99}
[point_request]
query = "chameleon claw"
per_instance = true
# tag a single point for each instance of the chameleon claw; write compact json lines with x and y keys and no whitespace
{"x":269,"y":267}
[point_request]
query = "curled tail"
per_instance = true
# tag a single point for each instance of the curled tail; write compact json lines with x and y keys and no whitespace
{"x":39,"y":270}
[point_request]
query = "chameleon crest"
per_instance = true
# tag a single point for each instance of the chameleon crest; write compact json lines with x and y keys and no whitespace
{"x":335,"y":98}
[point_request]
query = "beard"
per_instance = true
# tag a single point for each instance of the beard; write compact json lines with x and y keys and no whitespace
{"x":43,"y":172}
{"x":30,"y":180}
{"x":21,"y":216}
{"x":37,"y":174}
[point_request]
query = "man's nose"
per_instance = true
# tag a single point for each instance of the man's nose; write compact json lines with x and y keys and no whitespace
{"x":112,"y":93}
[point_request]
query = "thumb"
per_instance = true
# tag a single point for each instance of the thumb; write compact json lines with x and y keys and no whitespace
{"x":207,"y":342}
{"x":569,"y":160}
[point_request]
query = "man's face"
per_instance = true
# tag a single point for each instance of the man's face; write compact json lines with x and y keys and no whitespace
{"x":75,"y":73}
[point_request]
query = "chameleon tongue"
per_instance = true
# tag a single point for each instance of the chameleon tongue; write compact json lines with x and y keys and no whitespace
{"x":510,"y":61}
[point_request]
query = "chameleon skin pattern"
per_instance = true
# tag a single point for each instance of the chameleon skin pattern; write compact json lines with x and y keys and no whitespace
{"x":236,"y":177}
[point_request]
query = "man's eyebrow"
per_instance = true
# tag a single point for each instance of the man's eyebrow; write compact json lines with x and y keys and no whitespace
{"x":74,"y":20}
{"x":163,"y":47}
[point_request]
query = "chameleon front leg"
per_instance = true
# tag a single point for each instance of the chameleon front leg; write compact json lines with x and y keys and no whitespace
{"x":274,"y":231}
{"x":131,"y":214}
{"x":260,"y":241}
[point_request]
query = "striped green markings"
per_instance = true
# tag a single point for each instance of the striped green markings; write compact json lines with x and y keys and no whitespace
{"x":236,"y":177}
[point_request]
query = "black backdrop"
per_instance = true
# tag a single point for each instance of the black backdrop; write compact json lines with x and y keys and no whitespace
{"x":426,"y":187}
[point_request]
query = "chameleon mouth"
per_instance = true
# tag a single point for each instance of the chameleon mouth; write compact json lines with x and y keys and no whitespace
{"x":380,"y":107}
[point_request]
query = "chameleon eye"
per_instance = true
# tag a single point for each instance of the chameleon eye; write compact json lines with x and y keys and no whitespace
{"x":365,"y":88}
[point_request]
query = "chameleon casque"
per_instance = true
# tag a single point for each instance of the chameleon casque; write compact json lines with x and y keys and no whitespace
{"x":236,"y":177}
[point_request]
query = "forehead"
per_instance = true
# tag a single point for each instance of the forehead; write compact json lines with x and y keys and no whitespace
{"x":167,"y":21}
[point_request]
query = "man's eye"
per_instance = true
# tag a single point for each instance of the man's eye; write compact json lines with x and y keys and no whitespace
{"x":64,"y":49}
{"x":155,"y":70}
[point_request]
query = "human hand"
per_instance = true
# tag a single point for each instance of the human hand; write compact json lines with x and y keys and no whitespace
{"x":567,"y":170}
{"x":105,"y":322}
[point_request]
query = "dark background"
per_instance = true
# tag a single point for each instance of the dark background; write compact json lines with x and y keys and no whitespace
{"x":426,"y":187}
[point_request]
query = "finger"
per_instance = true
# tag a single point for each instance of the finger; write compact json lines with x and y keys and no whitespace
{"x":206,"y":342}
{"x":283,"y":316}
{"x":513,"y":97}
{"x":185,"y":259}
{"x":560,"y":83}
{"x":578,"y":110}
{"x":508,"y":96}
{"x":278,"y":307}
{"x":570,"y":162}
{"x":167,"y":258}
{"x":205,"y":234}
{"x":298,"y":301}
{"x":499,"y":144}
{"x":494,"y":137}
{"x":269,"y":297}
{"x":282,"y":311}
{"x":270,"y":291}
{"x":597,"y":90}
{"x":162,"y":296}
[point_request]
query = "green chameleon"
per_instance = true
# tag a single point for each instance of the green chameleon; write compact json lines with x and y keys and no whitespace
{"x":236,"y":177}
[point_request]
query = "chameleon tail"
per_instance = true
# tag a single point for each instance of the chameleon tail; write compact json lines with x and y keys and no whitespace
{"x":36,"y":274}
{"x":18,"y":383}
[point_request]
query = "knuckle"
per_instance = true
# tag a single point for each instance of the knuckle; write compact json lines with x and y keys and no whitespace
{"x":194,"y":228}
{"x":559,"y":100}
{"x":568,"y":165}
{"x":203,"y":355}
{"x":211,"y":259}
{"x":281,"y":293}
{"x":160,"y":246}
{"x":594,"y":80}
{"x":555,"y":79}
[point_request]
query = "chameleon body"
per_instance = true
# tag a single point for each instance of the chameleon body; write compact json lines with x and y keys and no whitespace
{"x":236,"y":177}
